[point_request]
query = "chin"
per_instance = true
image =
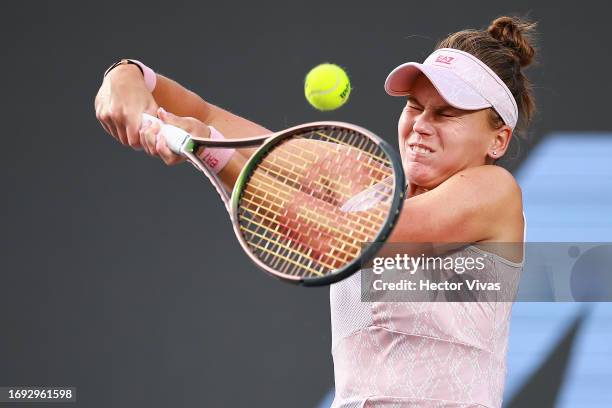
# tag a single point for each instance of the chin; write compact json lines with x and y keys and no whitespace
{"x":418,"y":174}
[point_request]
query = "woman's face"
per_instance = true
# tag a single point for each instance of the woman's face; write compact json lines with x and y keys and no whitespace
{"x":451,"y":139}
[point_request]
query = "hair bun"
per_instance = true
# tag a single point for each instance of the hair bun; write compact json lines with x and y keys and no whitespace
{"x":516,"y":34}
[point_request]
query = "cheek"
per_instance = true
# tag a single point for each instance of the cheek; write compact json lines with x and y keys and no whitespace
{"x":404,"y":127}
{"x":463,"y":143}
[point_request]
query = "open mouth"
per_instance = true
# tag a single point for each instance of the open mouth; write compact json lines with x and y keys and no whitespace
{"x":419,"y":148}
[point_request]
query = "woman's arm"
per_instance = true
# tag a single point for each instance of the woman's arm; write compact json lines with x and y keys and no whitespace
{"x":123,"y":97}
{"x":475,"y":205}
{"x":180,"y":101}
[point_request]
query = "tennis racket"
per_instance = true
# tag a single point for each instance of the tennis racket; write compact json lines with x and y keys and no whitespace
{"x":312,"y":203}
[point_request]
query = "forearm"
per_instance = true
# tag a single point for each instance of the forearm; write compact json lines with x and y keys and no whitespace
{"x":179,"y":100}
{"x":124,"y":95}
{"x":182,"y":102}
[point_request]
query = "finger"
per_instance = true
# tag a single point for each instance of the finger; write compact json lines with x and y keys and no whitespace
{"x":107,"y":119}
{"x":123,"y":135}
{"x":114,"y":132}
{"x":151,"y":109}
{"x":118,"y":119}
{"x":188,"y":124}
{"x":146,"y":145}
{"x":165,"y":153}
{"x":142,"y":135}
{"x":115,"y":122}
{"x":100,"y":118}
{"x":178,"y":121}
{"x":151,"y":138}
{"x":132,"y":131}
{"x":133,"y":142}
{"x":147,"y":132}
{"x":144,"y":125}
{"x":106,"y":129}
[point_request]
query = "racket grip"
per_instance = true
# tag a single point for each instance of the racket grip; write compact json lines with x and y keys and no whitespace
{"x":175,"y":137}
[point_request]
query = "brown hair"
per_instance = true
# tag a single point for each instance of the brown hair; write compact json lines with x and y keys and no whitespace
{"x":506,"y":47}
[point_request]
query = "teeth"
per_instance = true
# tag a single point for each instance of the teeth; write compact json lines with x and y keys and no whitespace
{"x":420,"y":149}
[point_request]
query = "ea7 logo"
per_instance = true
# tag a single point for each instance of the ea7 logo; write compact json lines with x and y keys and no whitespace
{"x":444,"y":59}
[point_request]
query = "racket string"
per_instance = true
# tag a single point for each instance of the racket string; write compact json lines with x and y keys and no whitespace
{"x":280,"y":162}
{"x":276,"y":232}
{"x":288,"y":250}
{"x":327,"y":194}
{"x":309,"y":163}
{"x":352,"y":227}
{"x":290,"y":212}
{"x":264,"y":232}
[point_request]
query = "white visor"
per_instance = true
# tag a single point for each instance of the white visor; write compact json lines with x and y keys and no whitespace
{"x":462,"y":80}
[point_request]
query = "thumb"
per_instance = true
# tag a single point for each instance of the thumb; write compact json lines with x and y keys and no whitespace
{"x":172,"y":119}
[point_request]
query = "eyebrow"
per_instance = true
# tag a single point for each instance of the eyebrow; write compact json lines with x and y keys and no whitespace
{"x":412,"y":98}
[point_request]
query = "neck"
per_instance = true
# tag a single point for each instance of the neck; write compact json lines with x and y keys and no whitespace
{"x":414,"y":190}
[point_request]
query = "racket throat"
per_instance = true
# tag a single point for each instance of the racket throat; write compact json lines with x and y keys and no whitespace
{"x":214,"y":179}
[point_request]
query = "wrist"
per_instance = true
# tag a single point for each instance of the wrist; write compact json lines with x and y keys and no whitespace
{"x":216,"y":158}
{"x":129,"y":65}
{"x":124,"y":70}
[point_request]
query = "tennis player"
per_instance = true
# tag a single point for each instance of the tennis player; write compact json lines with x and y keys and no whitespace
{"x":463,"y":105}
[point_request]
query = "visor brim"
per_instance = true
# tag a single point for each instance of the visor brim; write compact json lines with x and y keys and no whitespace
{"x":450,"y":86}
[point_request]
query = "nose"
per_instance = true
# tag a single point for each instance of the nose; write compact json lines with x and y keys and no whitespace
{"x":422,"y":124}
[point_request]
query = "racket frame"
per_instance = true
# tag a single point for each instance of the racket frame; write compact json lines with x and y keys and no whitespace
{"x":186,"y":145}
{"x":367,"y":252}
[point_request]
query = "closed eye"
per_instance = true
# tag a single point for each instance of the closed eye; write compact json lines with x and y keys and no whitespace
{"x":449,"y":113}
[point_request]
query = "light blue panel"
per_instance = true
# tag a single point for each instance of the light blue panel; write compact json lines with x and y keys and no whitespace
{"x":567,"y":192}
{"x":589,"y":380}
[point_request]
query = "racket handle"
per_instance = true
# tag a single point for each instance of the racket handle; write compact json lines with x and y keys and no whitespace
{"x":175,"y":137}
{"x":180,"y":143}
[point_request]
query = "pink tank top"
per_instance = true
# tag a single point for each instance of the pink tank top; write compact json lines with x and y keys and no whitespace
{"x":420,"y":354}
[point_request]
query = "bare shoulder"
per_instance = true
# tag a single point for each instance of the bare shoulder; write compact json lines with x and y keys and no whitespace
{"x":487,"y":187}
{"x":496,"y":179}
{"x":503,"y":202}
{"x":496,"y":199}
{"x":478,"y":204}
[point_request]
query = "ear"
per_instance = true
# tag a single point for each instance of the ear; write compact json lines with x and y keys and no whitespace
{"x":500,"y":142}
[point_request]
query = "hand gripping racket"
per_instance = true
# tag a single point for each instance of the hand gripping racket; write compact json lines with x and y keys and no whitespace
{"x":311,"y":204}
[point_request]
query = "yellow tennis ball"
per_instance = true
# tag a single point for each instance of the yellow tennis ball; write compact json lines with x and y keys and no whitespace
{"x":327,"y":87}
